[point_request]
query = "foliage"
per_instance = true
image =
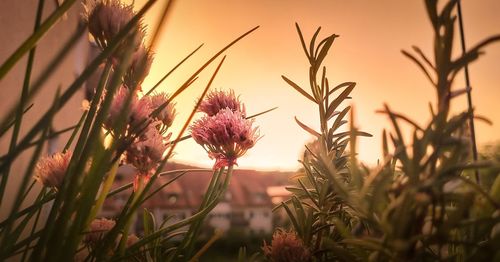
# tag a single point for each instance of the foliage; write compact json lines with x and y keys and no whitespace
{"x":121,"y":125}
{"x":419,"y":203}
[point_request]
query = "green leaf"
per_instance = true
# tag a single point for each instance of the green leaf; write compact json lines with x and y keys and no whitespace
{"x":172,"y":70}
{"x":420,"y":65}
{"x":298,"y":88}
{"x":338,"y":121}
{"x":149,"y":222}
{"x":301,"y":37}
{"x":188,"y":81}
{"x":324,"y":51}
{"x":313,"y":40}
{"x":313,"y":199}
{"x":29,"y":43}
{"x":308,"y":129}
{"x":292,"y":217}
{"x":336,"y":102}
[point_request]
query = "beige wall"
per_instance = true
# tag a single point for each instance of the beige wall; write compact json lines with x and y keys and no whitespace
{"x":16,"y":24}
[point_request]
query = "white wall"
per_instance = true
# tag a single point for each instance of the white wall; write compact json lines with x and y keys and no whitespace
{"x":220,"y":217}
{"x":260,"y":220}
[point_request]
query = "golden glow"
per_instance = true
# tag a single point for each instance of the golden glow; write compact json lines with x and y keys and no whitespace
{"x":368,"y":52}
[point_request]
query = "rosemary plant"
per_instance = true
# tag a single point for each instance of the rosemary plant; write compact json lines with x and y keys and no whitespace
{"x":420,"y":202}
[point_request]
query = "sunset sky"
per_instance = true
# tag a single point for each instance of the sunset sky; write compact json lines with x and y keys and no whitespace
{"x":372,"y":33}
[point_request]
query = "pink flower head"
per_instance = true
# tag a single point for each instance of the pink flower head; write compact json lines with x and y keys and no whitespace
{"x":226,"y":136}
{"x":139,"y":117}
{"x":218,"y":100}
{"x":167,"y":114}
{"x":118,"y":107}
{"x":146,"y":152}
{"x":139,"y":67}
{"x":131,"y":239}
{"x":50,"y":171}
{"x":98,"y":228}
{"x":106,"y":18}
{"x":286,"y":246}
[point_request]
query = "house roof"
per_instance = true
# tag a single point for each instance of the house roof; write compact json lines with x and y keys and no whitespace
{"x":247,"y":188}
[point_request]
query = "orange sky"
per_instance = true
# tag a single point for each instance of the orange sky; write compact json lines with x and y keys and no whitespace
{"x":372,"y":33}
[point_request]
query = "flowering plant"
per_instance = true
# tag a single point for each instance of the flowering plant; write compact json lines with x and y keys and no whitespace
{"x":423,"y":201}
{"x":121,"y":125}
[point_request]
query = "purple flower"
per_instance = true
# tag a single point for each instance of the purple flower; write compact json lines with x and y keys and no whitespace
{"x":167,"y":114}
{"x":118,"y":107}
{"x":226,"y":136}
{"x":286,"y":246}
{"x":146,"y":152}
{"x":137,"y":113}
{"x":50,"y":171}
{"x":106,"y":18}
{"x":98,"y":227}
{"x":218,"y":100}
{"x":139,"y":117}
{"x":138,"y":68}
{"x":131,"y":239}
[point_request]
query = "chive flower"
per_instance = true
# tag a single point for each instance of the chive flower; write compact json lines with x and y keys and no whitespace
{"x":105,"y":19}
{"x":146,"y":153}
{"x":50,"y":170}
{"x":226,"y":136}
{"x":139,"y":116}
{"x":117,"y":107}
{"x":218,"y":100}
{"x":167,"y":114}
{"x":286,"y":246}
{"x":97,"y":229}
{"x":139,"y":67}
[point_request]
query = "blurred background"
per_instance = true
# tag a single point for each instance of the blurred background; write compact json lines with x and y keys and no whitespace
{"x":372,"y":33}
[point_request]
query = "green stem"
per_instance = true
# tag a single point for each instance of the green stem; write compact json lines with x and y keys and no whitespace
{"x":35,"y":224}
{"x":22,"y":102}
{"x":101,"y":158}
{"x":104,"y":192}
{"x":200,"y":215}
{"x":123,"y":240}
{"x":7,"y":239}
{"x":75,"y":131}
{"x":29,"y":43}
{"x":39,"y":83}
{"x":194,"y":228}
{"x":215,"y":195}
{"x":28,"y":191}
{"x":172,"y":70}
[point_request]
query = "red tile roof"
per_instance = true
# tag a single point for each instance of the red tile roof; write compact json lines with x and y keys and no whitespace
{"x":248,"y":188}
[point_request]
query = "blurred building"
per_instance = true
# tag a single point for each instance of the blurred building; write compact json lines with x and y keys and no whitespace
{"x":246,"y":208}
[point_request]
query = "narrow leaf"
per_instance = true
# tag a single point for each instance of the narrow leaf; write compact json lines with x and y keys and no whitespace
{"x":308,"y":129}
{"x":336,"y":102}
{"x":299,"y":89}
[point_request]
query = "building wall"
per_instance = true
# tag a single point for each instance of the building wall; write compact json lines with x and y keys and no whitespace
{"x":220,"y":217}
{"x":260,"y":220}
{"x":16,"y":25}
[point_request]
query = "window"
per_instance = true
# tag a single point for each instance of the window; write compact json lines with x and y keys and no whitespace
{"x":172,"y":199}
